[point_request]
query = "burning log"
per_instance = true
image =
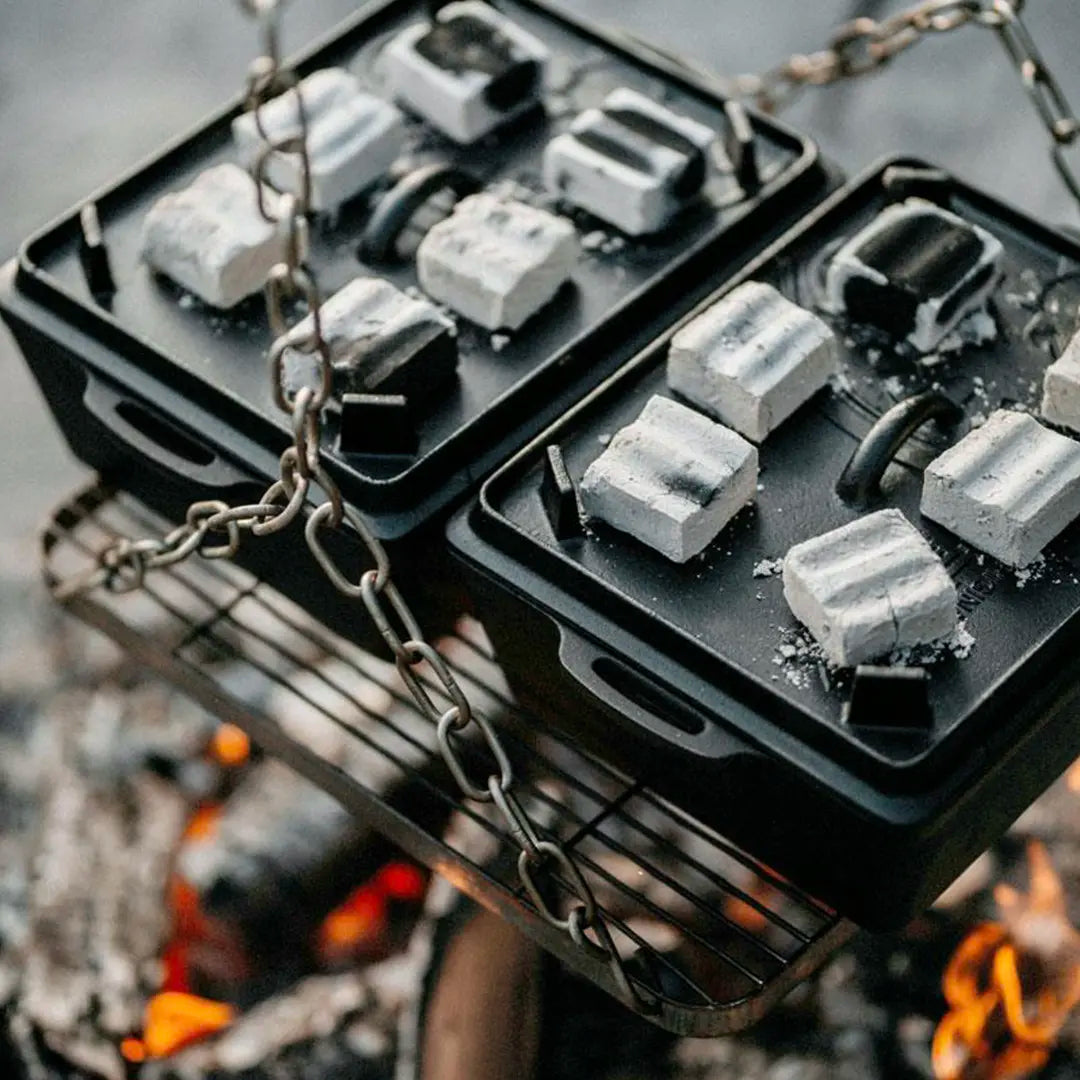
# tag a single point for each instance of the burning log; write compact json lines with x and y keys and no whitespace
{"x":107,"y":834}
{"x":283,"y":855}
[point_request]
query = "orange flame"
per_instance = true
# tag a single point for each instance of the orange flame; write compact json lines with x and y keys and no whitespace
{"x":1011,"y":984}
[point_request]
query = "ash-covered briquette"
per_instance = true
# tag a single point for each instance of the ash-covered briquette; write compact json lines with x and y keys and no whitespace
{"x":752,"y":359}
{"x":1061,"y":388}
{"x":869,"y":587}
{"x":672,"y":479}
{"x":353,"y":137}
{"x":631,"y":162}
{"x":211,"y":239}
{"x":915,"y":271}
{"x":382,"y":340}
{"x":468,"y":72}
{"x":1007,"y":488}
{"x":495,"y":260}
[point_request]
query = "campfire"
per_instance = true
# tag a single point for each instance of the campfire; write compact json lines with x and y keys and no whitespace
{"x":1012,"y":984}
{"x":189,"y":907}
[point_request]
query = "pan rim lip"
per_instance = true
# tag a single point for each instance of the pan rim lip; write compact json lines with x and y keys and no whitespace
{"x":565,"y":578}
{"x":429,"y":486}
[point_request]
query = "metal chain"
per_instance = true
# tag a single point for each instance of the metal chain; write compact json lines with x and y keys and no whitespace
{"x":123,"y":565}
{"x":864,"y":45}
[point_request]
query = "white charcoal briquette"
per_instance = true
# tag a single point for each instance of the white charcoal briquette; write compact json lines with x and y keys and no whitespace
{"x":496,"y":261}
{"x":751,"y":359}
{"x":869,"y":587}
{"x":1007,"y":488}
{"x":468,"y":72}
{"x":915,"y":271}
{"x":380,"y":339}
{"x":672,"y":479}
{"x":353,"y":137}
{"x":211,"y":239}
{"x":1061,"y":387}
{"x":632,"y":162}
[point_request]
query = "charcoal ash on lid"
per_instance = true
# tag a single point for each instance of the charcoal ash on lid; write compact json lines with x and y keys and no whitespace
{"x":1061,"y":388}
{"x":381,"y":339}
{"x":752,"y":359}
{"x":915,"y":271}
{"x":497,"y":261}
{"x":632,"y":162}
{"x":673,"y":479}
{"x":1007,"y":488}
{"x":467,"y":73}
{"x":353,"y":137}
{"x":869,"y":587}
{"x":211,"y":239}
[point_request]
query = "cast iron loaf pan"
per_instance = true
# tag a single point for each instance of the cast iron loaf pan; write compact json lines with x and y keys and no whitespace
{"x":172,"y":400}
{"x":697,"y":677}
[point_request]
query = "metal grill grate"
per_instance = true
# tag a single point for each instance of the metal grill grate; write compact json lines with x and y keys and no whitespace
{"x":717,"y":937}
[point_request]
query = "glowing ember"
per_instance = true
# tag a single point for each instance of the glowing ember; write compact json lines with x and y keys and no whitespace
{"x":203,"y":824}
{"x":356,"y":923}
{"x":230,"y":745}
{"x":359,"y":927}
{"x":172,"y":1021}
{"x":749,"y":915}
{"x":133,"y":1050}
{"x":402,"y":881}
{"x":1011,"y":984}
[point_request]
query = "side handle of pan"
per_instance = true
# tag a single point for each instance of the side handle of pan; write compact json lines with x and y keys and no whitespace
{"x":164,"y":444}
{"x":658,"y":709}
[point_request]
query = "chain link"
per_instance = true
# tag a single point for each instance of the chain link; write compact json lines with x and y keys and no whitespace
{"x":864,"y":45}
{"x":857,"y":48}
{"x":123,"y":565}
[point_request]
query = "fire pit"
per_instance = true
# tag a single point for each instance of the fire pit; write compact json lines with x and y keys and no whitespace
{"x":222,"y":916}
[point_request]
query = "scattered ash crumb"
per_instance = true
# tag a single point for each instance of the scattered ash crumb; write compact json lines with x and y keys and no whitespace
{"x":1034,"y":571}
{"x":511,"y":188}
{"x":958,"y":644}
{"x":768,"y":568}
{"x":961,"y":642}
{"x":894,"y":386}
{"x":1022,"y":300}
{"x":799,"y":658}
{"x":604,"y":438}
{"x":976,"y":329}
{"x":499,"y":341}
{"x":594,"y":241}
{"x":802,"y":661}
{"x":841,"y":381}
{"x":612,"y":245}
{"x":187,"y":301}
